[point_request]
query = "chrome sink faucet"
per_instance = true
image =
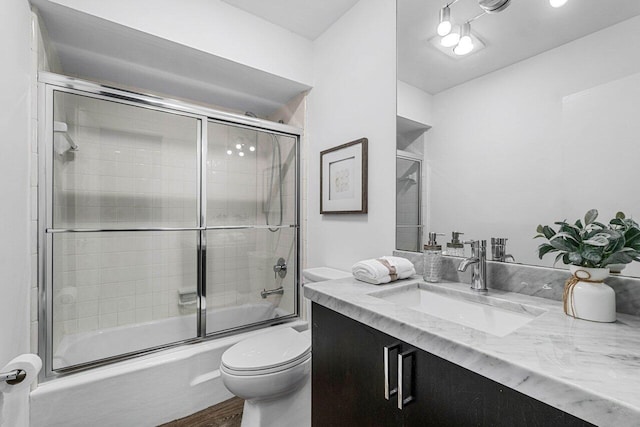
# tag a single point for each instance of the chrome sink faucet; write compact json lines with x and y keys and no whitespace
{"x":499,"y":250}
{"x":479,"y":261}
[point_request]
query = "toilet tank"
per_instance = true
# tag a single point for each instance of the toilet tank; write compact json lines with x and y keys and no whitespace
{"x":321,"y":274}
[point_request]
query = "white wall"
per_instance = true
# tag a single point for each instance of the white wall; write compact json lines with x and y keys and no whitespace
{"x":354,"y":96}
{"x":414,"y":104}
{"x":213,"y":27}
{"x":542,"y":140}
{"x":15,"y":97}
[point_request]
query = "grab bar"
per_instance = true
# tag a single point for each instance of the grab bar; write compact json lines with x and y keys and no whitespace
{"x":277,"y":291}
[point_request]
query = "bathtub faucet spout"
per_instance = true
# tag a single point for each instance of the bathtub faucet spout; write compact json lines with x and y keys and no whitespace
{"x":277,"y":291}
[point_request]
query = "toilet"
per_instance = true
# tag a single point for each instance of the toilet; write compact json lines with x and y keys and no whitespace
{"x":272,"y":371}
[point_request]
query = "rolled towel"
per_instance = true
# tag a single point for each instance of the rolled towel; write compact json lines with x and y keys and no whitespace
{"x":383,"y":270}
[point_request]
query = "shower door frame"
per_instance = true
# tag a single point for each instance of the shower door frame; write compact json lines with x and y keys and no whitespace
{"x":406,"y":155}
{"x":48,"y":83}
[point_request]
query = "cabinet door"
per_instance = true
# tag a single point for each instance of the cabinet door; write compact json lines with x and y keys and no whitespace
{"x":348,"y":385}
{"x":348,"y":373}
{"x":449,"y":395}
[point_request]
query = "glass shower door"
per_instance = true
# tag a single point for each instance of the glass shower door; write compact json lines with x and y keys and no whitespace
{"x":122,"y":228}
{"x":251,"y":226}
{"x":408,"y":204}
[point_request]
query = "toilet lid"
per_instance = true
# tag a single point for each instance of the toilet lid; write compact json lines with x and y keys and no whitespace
{"x":267,"y":350}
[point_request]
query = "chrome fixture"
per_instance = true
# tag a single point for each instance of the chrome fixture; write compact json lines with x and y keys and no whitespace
{"x":465,"y":44}
{"x":494,"y":6}
{"x":13,"y":377}
{"x":479,"y":261}
{"x":277,"y":291}
{"x":499,"y":249}
{"x":444,"y":24}
{"x":61,"y":128}
{"x":459,"y":36}
{"x":280,"y":269}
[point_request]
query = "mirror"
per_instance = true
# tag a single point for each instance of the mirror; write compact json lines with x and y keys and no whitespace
{"x":540,"y":125}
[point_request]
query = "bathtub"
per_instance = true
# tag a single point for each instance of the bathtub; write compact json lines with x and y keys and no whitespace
{"x":75,"y":349}
{"x":144,"y":391}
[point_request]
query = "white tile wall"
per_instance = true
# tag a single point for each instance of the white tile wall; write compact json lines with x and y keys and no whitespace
{"x":38,"y":62}
{"x":119,"y":278}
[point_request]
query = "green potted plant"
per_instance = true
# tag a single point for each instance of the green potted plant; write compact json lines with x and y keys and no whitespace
{"x":590,"y":248}
{"x":592,"y":244}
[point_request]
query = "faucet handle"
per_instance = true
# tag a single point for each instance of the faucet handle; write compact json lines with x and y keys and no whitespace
{"x":477,"y":247}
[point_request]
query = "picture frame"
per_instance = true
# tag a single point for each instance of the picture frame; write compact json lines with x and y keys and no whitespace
{"x":343,"y":178}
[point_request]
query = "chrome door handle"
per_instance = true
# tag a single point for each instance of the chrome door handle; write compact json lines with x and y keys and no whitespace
{"x":388,"y":391}
{"x":402,"y":357}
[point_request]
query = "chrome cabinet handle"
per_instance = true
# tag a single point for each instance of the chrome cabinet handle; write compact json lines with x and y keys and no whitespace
{"x":402,"y":357}
{"x":388,"y":391}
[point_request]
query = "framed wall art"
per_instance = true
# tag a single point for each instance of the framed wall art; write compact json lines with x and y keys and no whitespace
{"x":343,"y":178}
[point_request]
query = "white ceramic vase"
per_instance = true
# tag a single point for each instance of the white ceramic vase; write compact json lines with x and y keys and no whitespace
{"x":589,"y":298}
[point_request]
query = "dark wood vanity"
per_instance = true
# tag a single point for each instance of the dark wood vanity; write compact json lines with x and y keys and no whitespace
{"x":355,"y":383}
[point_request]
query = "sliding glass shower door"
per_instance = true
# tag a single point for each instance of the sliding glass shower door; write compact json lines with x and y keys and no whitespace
{"x":251,"y":219}
{"x":160,"y":225}
{"x":408,"y":204}
{"x":124,"y":227}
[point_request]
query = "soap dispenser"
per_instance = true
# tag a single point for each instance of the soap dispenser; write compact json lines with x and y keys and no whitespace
{"x":455,"y":246}
{"x":433,"y":259}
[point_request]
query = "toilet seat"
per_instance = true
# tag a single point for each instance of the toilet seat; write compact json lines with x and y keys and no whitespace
{"x":267,"y":353}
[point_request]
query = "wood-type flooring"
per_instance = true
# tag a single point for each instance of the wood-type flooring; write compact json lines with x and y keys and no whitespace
{"x":224,"y":414}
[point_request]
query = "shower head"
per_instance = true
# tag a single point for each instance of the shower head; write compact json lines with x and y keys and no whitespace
{"x":67,"y":144}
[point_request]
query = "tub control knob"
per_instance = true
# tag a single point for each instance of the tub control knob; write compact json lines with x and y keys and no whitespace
{"x":280,"y":269}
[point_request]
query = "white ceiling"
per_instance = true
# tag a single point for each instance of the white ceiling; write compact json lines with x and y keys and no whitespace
{"x":307,"y":18}
{"x":525,"y":29}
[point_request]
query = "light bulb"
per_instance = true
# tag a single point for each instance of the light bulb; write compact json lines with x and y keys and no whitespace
{"x":444,"y":25}
{"x":238,"y":146}
{"x":241,"y":154}
{"x":252,"y":148}
{"x":451,"y":39}
{"x":557,"y":3}
{"x":465,"y":45}
{"x":229,"y":152}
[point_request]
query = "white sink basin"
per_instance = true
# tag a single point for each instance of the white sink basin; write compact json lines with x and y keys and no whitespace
{"x":479,"y":312}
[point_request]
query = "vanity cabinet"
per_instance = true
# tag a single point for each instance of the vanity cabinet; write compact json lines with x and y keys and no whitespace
{"x":348,"y":384}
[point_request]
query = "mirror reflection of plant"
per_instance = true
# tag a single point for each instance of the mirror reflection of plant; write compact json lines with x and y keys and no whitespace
{"x":592,"y":244}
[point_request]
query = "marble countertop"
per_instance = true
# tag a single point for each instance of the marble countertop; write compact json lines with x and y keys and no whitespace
{"x":588,"y":369}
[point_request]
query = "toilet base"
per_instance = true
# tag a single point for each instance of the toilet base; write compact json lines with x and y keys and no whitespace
{"x":292,"y":410}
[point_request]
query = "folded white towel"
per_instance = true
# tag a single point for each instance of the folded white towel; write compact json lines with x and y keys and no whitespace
{"x":383,"y":270}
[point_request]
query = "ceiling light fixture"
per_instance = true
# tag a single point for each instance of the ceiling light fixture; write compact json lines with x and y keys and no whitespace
{"x":557,"y":3}
{"x":494,"y":6}
{"x":465,"y":45}
{"x":444,"y":24}
{"x":461,"y":39}
{"x":451,"y":39}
